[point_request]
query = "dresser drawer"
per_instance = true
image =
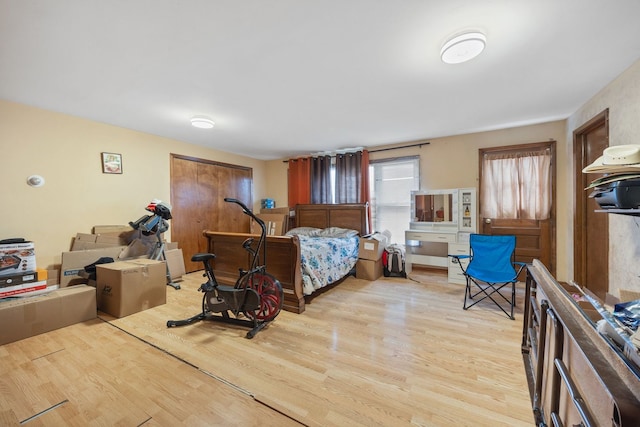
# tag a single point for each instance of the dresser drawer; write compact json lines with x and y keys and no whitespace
{"x":455,"y":275}
{"x":453,"y":263}
{"x":455,"y":272}
{"x":426,"y":236}
{"x":459,"y":249}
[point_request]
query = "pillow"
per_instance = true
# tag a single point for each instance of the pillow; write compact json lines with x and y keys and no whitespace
{"x":337,"y":232}
{"x":303,"y":231}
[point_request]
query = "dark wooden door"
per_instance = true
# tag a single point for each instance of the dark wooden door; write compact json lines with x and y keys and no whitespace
{"x":198,"y":189}
{"x":591,"y":228}
{"x":535,"y":239}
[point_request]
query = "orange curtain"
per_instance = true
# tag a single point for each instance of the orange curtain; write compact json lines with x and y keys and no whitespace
{"x":299,"y":181}
{"x":365,"y":191}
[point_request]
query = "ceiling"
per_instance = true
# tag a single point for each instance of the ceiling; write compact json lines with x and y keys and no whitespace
{"x":283,"y":78}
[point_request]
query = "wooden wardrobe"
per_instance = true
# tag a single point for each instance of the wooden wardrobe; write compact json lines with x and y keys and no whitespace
{"x":198,"y":189}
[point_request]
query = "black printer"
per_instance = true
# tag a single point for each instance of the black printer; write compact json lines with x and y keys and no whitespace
{"x":623,"y":194}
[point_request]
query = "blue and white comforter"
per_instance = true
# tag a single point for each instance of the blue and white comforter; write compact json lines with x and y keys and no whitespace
{"x":325,"y":260}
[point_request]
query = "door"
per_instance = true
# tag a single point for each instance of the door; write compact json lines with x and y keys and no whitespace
{"x":535,"y":238}
{"x":591,"y":228}
{"x":198,"y":189}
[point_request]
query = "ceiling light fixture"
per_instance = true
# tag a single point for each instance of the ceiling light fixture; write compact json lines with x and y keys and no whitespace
{"x":463,"y":48}
{"x":201,"y":122}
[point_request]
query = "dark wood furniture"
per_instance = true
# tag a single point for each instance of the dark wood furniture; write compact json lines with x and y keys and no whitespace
{"x":345,"y":215}
{"x":576,"y":376}
{"x":198,"y":189}
{"x":283,"y":252}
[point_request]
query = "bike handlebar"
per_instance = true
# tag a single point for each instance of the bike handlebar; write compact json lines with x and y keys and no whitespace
{"x":263,"y":234}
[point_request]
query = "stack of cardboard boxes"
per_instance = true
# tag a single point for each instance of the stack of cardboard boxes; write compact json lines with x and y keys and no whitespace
{"x":31,"y":302}
{"x":369,"y":265}
{"x":130,"y":284}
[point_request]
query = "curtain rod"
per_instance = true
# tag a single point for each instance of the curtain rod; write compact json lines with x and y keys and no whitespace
{"x":420,"y":144}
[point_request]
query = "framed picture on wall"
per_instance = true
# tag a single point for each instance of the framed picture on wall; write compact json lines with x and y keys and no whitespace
{"x":111,"y":163}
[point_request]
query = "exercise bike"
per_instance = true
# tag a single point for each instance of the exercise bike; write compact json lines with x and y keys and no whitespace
{"x":256,"y":295}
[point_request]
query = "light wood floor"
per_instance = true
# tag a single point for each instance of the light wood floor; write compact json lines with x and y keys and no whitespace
{"x":386,"y":353}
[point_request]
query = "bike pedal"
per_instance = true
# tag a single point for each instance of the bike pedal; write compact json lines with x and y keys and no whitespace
{"x":206,"y":287}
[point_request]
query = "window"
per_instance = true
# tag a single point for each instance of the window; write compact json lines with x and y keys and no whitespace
{"x":391,"y":183}
{"x":516,"y":184}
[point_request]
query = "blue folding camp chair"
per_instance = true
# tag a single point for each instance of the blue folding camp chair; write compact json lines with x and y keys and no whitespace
{"x":491,"y":268}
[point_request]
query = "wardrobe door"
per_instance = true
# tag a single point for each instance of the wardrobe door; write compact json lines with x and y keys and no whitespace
{"x":198,"y":189}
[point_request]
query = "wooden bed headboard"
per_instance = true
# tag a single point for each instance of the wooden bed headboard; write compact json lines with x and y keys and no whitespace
{"x":283,"y":252}
{"x":345,"y":215}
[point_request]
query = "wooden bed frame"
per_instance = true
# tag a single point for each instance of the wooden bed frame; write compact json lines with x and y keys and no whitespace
{"x":283,"y":252}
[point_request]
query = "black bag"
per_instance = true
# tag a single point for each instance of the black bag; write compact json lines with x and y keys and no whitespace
{"x":393,"y":261}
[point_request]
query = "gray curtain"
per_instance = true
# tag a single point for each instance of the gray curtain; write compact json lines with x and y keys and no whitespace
{"x":321,"y":179}
{"x":349,"y":178}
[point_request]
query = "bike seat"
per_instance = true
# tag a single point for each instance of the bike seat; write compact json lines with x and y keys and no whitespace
{"x":202,"y":257}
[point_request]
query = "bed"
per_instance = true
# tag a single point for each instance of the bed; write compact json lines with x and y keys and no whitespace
{"x":284,"y":253}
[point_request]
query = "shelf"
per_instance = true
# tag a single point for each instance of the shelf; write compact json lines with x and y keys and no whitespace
{"x":631,"y":212}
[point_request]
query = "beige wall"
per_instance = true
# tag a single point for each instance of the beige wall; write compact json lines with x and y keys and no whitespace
{"x":277,"y":182}
{"x":76,"y":196}
{"x":65,"y":150}
{"x":452,"y":162}
{"x":622,"y":97}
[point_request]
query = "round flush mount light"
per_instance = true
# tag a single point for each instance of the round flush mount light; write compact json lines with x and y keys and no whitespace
{"x":202,"y":122}
{"x":463,"y":48}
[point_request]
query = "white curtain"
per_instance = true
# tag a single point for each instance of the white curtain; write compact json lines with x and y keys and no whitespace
{"x":516,"y":186}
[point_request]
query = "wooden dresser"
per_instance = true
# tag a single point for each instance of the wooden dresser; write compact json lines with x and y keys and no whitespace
{"x":576,"y":376}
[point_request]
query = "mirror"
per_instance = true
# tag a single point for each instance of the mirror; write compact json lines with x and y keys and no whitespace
{"x":434,"y":207}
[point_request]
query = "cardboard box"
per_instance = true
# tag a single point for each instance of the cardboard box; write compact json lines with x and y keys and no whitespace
{"x":117,"y":230}
{"x":127,"y":287}
{"x":15,"y":290}
{"x":85,"y":237}
{"x":74,"y":262}
{"x":175,"y":263}
{"x":285,"y":210}
{"x":627,"y":295}
{"x":53,"y":277}
{"x":275,"y":224}
{"x":125,"y":233}
{"x":17,"y":258}
{"x":31,"y":293}
{"x":371,"y":247}
{"x":368,"y":270}
{"x":84,"y":241}
{"x":19,"y":279}
{"x":25,"y":317}
{"x":289,"y":221}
